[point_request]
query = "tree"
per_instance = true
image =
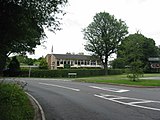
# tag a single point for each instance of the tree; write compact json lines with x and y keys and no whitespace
{"x":118,"y":63}
{"x":135,"y":70}
{"x":43,"y":64}
{"x":104,"y":35}
{"x":24,"y":60}
{"x":14,"y":64}
{"x":137,"y":47}
{"x":22,"y":24}
{"x":13,"y":68}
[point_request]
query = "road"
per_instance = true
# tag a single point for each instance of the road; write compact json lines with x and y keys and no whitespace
{"x":67,"y":100}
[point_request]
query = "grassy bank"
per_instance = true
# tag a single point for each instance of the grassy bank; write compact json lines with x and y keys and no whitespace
{"x":14,"y":103}
{"x":122,"y":79}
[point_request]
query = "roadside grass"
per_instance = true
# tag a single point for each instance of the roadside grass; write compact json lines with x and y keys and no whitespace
{"x":122,"y":79}
{"x":14,"y":103}
{"x":152,"y":75}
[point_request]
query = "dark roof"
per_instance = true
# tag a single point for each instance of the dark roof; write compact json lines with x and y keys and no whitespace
{"x":73,"y":57}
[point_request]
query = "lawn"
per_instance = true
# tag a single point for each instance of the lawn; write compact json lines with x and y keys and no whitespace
{"x":122,"y":79}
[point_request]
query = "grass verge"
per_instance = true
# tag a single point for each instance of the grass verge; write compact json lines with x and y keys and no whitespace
{"x":122,"y":79}
{"x":14,"y":103}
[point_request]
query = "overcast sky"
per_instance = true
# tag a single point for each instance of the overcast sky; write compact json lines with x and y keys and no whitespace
{"x":139,"y":15}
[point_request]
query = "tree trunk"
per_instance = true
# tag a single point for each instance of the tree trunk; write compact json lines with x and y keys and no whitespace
{"x":106,"y":69}
{"x":3,"y":58}
{"x":106,"y":66}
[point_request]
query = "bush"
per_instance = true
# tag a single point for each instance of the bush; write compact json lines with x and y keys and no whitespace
{"x":115,"y":71}
{"x":14,"y":103}
{"x":61,"y":73}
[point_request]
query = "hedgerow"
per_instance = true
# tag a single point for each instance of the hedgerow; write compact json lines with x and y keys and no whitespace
{"x":62,"y":73}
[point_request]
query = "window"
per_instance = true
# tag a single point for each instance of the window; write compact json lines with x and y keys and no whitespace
{"x":58,"y":63}
{"x":68,"y":62}
{"x":79,"y":62}
{"x":82,"y":62}
{"x":93,"y":63}
{"x":71,"y":63}
{"x":61,"y":62}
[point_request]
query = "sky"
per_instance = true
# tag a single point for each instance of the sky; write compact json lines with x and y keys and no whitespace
{"x":139,"y":15}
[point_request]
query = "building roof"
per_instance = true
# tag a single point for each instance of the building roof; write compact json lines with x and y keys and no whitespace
{"x":73,"y":57}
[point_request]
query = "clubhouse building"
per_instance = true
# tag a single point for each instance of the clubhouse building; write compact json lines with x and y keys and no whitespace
{"x":56,"y":61}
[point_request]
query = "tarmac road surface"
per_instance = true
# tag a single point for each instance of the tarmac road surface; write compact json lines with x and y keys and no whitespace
{"x":67,"y":100}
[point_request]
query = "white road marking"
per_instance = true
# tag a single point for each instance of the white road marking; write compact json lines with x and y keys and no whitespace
{"x":116,"y":99}
{"x":144,"y":101}
{"x":69,"y":88}
{"x":110,"y":89}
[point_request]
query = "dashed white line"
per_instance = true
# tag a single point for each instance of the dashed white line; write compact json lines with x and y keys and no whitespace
{"x":116,"y":99}
{"x":69,"y":88}
{"x":110,"y":89}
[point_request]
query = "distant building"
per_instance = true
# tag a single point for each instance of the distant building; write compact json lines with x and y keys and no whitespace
{"x":154,"y":62}
{"x":56,"y":61}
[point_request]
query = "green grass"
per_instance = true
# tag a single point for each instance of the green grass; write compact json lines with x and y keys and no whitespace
{"x":14,"y":103}
{"x":122,"y":79}
{"x":152,"y":75}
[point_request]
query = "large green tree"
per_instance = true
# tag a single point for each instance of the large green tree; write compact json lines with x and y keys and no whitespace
{"x":137,"y":47}
{"x":104,"y":35}
{"x":22,"y":24}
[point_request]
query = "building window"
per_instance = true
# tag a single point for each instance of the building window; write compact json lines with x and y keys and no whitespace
{"x":61,"y":62}
{"x":93,"y":63}
{"x":71,"y":63}
{"x":87,"y":62}
{"x":79,"y":62}
{"x":68,"y":62}
{"x":58,"y":63}
{"x":82,"y":63}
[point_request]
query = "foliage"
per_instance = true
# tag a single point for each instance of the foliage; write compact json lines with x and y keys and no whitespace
{"x":43,"y":64}
{"x":14,"y":104}
{"x":13,"y":68}
{"x":137,"y":47}
{"x":24,"y":60}
{"x":23,"y":22}
{"x":135,"y":51}
{"x":115,"y":71}
{"x":67,"y":66}
{"x":135,"y":71}
{"x":104,"y":35}
{"x":118,"y":63}
{"x":14,"y":64}
{"x":64,"y":72}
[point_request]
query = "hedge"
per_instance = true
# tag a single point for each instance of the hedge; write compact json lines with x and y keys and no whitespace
{"x":115,"y":71}
{"x":61,"y":73}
